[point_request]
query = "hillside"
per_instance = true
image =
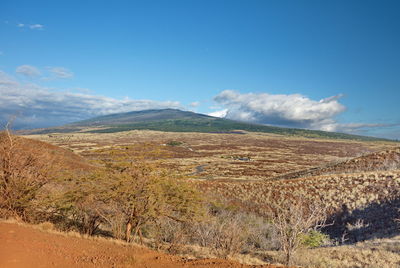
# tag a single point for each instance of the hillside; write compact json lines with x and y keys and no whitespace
{"x":369,"y":199}
{"x":238,"y":172}
{"x":381,"y":160}
{"x":50,"y":156}
{"x":173,"y":120}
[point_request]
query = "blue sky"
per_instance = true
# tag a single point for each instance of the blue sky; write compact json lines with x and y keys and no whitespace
{"x":330,"y":65}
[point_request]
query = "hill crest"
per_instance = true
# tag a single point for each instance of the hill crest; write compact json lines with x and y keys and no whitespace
{"x":140,"y":116}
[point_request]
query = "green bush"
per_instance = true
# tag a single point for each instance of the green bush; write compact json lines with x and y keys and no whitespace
{"x":314,"y":239}
{"x":174,"y":143}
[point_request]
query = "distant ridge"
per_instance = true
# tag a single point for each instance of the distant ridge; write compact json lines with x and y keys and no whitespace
{"x":174,"y":120}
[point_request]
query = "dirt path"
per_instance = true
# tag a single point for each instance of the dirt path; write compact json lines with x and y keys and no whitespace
{"x":24,"y":246}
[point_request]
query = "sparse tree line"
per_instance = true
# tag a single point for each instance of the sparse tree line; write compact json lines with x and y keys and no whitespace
{"x":138,"y":201}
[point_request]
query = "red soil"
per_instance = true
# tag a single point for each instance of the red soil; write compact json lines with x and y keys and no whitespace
{"x":24,"y":246}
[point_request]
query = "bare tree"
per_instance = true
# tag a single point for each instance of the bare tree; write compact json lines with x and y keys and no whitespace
{"x":293,"y":218}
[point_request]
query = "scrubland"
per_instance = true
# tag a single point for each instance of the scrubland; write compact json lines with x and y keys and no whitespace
{"x":256,"y":198}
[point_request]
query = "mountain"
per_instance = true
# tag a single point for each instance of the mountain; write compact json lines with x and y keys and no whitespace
{"x":142,"y":117}
{"x":174,"y":120}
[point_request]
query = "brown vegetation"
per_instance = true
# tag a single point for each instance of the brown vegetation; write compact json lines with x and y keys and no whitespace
{"x":294,"y":218}
{"x":21,"y":177}
{"x":352,"y":190}
{"x":221,"y":156}
{"x":377,"y":161}
{"x":216,"y":193}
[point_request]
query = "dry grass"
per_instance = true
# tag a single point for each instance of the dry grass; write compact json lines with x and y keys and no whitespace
{"x":219,"y":155}
{"x":353,"y":190}
{"x":61,"y":158}
{"x":372,"y":254}
{"x":348,"y":256}
{"x":198,"y":252}
{"x":215,"y":163}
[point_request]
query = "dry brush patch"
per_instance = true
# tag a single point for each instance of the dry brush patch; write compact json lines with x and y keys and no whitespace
{"x":348,"y":256}
{"x":22,"y":177}
{"x":352,"y":190}
{"x":293,"y":220}
{"x":383,"y":160}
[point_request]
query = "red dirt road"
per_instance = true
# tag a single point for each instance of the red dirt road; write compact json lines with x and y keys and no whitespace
{"x":24,"y":246}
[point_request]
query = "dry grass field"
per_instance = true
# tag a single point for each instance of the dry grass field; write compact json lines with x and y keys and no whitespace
{"x":250,"y":156}
{"x":377,"y":253}
{"x":358,"y":181}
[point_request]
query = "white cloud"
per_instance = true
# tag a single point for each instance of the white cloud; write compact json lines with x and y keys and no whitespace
{"x":27,"y":70}
{"x":36,"y":26}
{"x":221,"y":113}
{"x":293,"y":110}
{"x":51,"y":73}
{"x":194,"y":104}
{"x":6,"y":80}
{"x":37,"y":106}
{"x":60,"y":72}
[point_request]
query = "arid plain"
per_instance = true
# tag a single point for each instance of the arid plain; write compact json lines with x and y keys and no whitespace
{"x":252,"y":172}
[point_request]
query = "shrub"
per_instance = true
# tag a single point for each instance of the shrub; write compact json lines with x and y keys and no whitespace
{"x":21,"y":177}
{"x":174,"y":143}
{"x":293,"y":219}
{"x":314,"y":239}
{"x":228,"y":232}
{"x":127,"y":196}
